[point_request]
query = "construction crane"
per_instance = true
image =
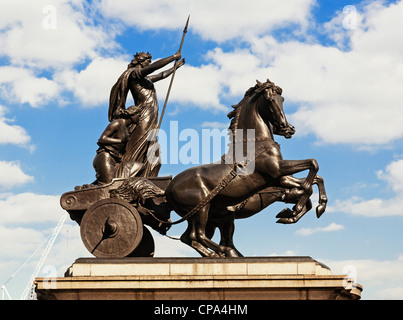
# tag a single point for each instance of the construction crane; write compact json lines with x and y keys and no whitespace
{"x":29,"y":292}
{"x":4,"y":291}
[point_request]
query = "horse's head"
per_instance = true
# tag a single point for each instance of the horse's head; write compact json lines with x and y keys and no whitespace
{"x":275,"y":112}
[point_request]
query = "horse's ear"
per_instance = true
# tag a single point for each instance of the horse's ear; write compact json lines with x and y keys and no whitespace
{"x":268,"y":81}
{"x":258,"y":82}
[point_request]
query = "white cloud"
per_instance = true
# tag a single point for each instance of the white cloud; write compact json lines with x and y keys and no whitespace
{"x":92,"y":85}
{"x":22,"y":241}
{"x":309,"y":231}
{"x":380,"y":31}
{"x":21,"y":85}
{"x":338,"y":92}
{"x":28,"y":208}
{"x":339,"y":89}
{"x":370,"y":208}
{"x":33,"y":35}
{"x":214,"y":125}
{"x":226,"y":76}
{"x":42,"y":37}
{"x":377,"y":207}
{"x":26,"y":246}
{"x":67,"y":247}
{"x":200,"y":86}
{"x":214,"y":20}
{"x":11,"y":175}
{"x":286,"y":253}
{"x":334,"y":87}
{"x":352,"y":96}
{"x":10,"y":133}
{"x":393,"y":175}
{"x":194,"y":86}
{"x":380,"y":279}
{"x":237,"y":70}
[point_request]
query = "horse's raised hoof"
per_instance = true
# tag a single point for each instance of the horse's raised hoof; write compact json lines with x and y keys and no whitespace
{"x":285,"y":213}
{"x":320,"y":210}
{"x":286,"y":220}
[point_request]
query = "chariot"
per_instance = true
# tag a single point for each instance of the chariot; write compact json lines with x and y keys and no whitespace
{"x":112,"y":217}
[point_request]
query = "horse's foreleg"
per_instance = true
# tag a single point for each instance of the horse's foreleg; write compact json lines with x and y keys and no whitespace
{"x":296,"y":216}
{"x":292,"y":182}
{"x":320,"y":209}
{"x":289,"y":167}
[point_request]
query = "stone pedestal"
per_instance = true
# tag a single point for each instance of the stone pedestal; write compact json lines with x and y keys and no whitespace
{"x":260,"y":278}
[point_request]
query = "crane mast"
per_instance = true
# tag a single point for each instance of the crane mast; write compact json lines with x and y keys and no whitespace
{"x":29,"y":292}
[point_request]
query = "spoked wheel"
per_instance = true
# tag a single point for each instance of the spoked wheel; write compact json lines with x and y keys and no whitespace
{"x":112,"y":228}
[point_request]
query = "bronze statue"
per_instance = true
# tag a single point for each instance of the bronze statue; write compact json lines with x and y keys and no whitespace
{"x":201,"y":194}
{"x":138,"y":79}
{"x":207,"y":197}
{"x":260,"y":201}
{"x":112,"y":147}
{"x":128,"y":194}
{"x":124,"y":144}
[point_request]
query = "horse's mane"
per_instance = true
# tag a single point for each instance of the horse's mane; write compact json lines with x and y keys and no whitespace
{"x":249,"y":95}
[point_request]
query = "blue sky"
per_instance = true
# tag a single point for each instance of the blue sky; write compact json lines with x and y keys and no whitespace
{"x":339,"y":63}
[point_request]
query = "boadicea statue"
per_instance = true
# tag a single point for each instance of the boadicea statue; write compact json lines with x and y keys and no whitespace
{"x":128,"y":194}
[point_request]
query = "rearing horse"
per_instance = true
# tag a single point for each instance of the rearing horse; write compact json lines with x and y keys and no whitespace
{"x":261,"y":110}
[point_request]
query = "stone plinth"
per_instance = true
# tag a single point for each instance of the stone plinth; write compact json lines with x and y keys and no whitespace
{"x":261,"y":278}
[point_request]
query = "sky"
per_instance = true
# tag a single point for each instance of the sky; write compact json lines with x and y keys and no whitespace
{"x":339,"y":63}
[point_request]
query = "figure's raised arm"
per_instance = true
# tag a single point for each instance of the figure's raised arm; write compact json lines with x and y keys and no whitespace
{"x":166,"y":73}
{"x":150,"y":68}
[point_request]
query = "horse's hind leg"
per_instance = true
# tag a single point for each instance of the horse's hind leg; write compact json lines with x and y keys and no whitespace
{"x":189,"y":237}
{"x":201,"y":219}
{"x":227,"y":229}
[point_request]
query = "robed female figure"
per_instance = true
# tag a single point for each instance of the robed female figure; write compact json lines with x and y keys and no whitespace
{"x":138,"y":79}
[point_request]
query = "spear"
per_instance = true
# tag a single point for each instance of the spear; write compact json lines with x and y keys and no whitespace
{"x":173,"y":74}
{"x":156,"y":131}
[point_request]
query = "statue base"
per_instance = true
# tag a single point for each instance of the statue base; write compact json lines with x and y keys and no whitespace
{"x":258,"y":278}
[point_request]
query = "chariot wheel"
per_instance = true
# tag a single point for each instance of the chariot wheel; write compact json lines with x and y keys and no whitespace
{"x":146,"y":247}
{"x":111,"y":228}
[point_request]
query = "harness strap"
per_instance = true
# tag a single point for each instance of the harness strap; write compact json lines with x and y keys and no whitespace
{"x":223,"y":183}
